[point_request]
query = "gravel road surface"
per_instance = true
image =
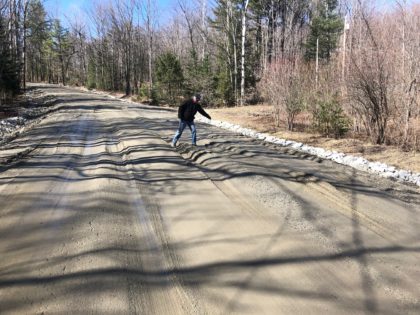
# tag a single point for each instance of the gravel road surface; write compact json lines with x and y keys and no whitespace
{"x":99,"y":215}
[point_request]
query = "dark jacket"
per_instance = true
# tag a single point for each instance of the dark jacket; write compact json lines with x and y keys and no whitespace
{"x":188,"y":109}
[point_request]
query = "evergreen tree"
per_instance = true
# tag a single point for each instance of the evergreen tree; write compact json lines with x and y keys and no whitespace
{"x":223,"y":91}
{"x":192,"y":72}
{"x":62,"y":48}
{"x":170,"y":76}
{"x":329,"y":116}
{"x":91,"y":73}
{"x":205,"y":79}
{"x":37,"y":34}
{"x":200,"y":77}
{"x":9,"y":71}
{"x":227,"y":24}
{"x":326,"y":27}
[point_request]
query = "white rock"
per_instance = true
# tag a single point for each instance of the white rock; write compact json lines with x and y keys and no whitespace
{"x":297,"y":145}
{"x":403,"y":174}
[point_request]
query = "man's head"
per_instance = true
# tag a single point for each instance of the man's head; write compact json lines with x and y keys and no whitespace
{"x":197,"y":98}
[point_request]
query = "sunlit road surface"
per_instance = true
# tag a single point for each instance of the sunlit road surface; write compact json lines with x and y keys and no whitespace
{"x":99,"y":215}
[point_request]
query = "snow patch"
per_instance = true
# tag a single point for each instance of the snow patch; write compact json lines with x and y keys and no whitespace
{"x":10,"y":125}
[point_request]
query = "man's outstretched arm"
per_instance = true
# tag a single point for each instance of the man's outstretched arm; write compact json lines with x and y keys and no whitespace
{"x":203,"y":112}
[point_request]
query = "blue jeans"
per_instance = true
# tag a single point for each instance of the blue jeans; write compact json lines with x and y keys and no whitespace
{"x":182,"y":125}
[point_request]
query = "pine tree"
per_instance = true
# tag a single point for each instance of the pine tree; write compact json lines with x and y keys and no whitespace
{"x":37,"y":35}
{"x":9,"y":71}
{"x":326,"y":28}
{"x":199,"y":77}
{"x":62,"y":47}
{"x":170,"y":76}
{"x":227,"y":24}
{"x":91,"y":73}
{"x":205,"y":79}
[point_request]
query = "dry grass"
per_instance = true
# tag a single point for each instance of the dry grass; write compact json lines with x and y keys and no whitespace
{"x":260,"y":118}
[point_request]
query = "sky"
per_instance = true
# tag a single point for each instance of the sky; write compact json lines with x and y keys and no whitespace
{"x":75,"y":5}
{"x":72,"y":8}
{"x":165,"y":8}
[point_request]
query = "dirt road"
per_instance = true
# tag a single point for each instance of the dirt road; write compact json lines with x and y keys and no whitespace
{"x":99,"y":215}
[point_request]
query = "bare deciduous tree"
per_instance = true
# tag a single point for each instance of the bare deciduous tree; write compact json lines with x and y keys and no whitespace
{"x":286,"y":86}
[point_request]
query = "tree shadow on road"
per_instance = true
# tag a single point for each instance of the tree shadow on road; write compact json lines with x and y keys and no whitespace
{"x":57,"y":222}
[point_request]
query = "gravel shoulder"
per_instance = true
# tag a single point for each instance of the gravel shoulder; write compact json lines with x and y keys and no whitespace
{"x":260,"y":118}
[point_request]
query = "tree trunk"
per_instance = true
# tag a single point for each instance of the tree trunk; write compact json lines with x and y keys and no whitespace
{"x":244,"y":11}
{"x":203,"y":26}
{"x":25,"y":10}
{"x":149,"y":44}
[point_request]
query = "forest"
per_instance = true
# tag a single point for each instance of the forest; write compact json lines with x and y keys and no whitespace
{"x":348,"y":67}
